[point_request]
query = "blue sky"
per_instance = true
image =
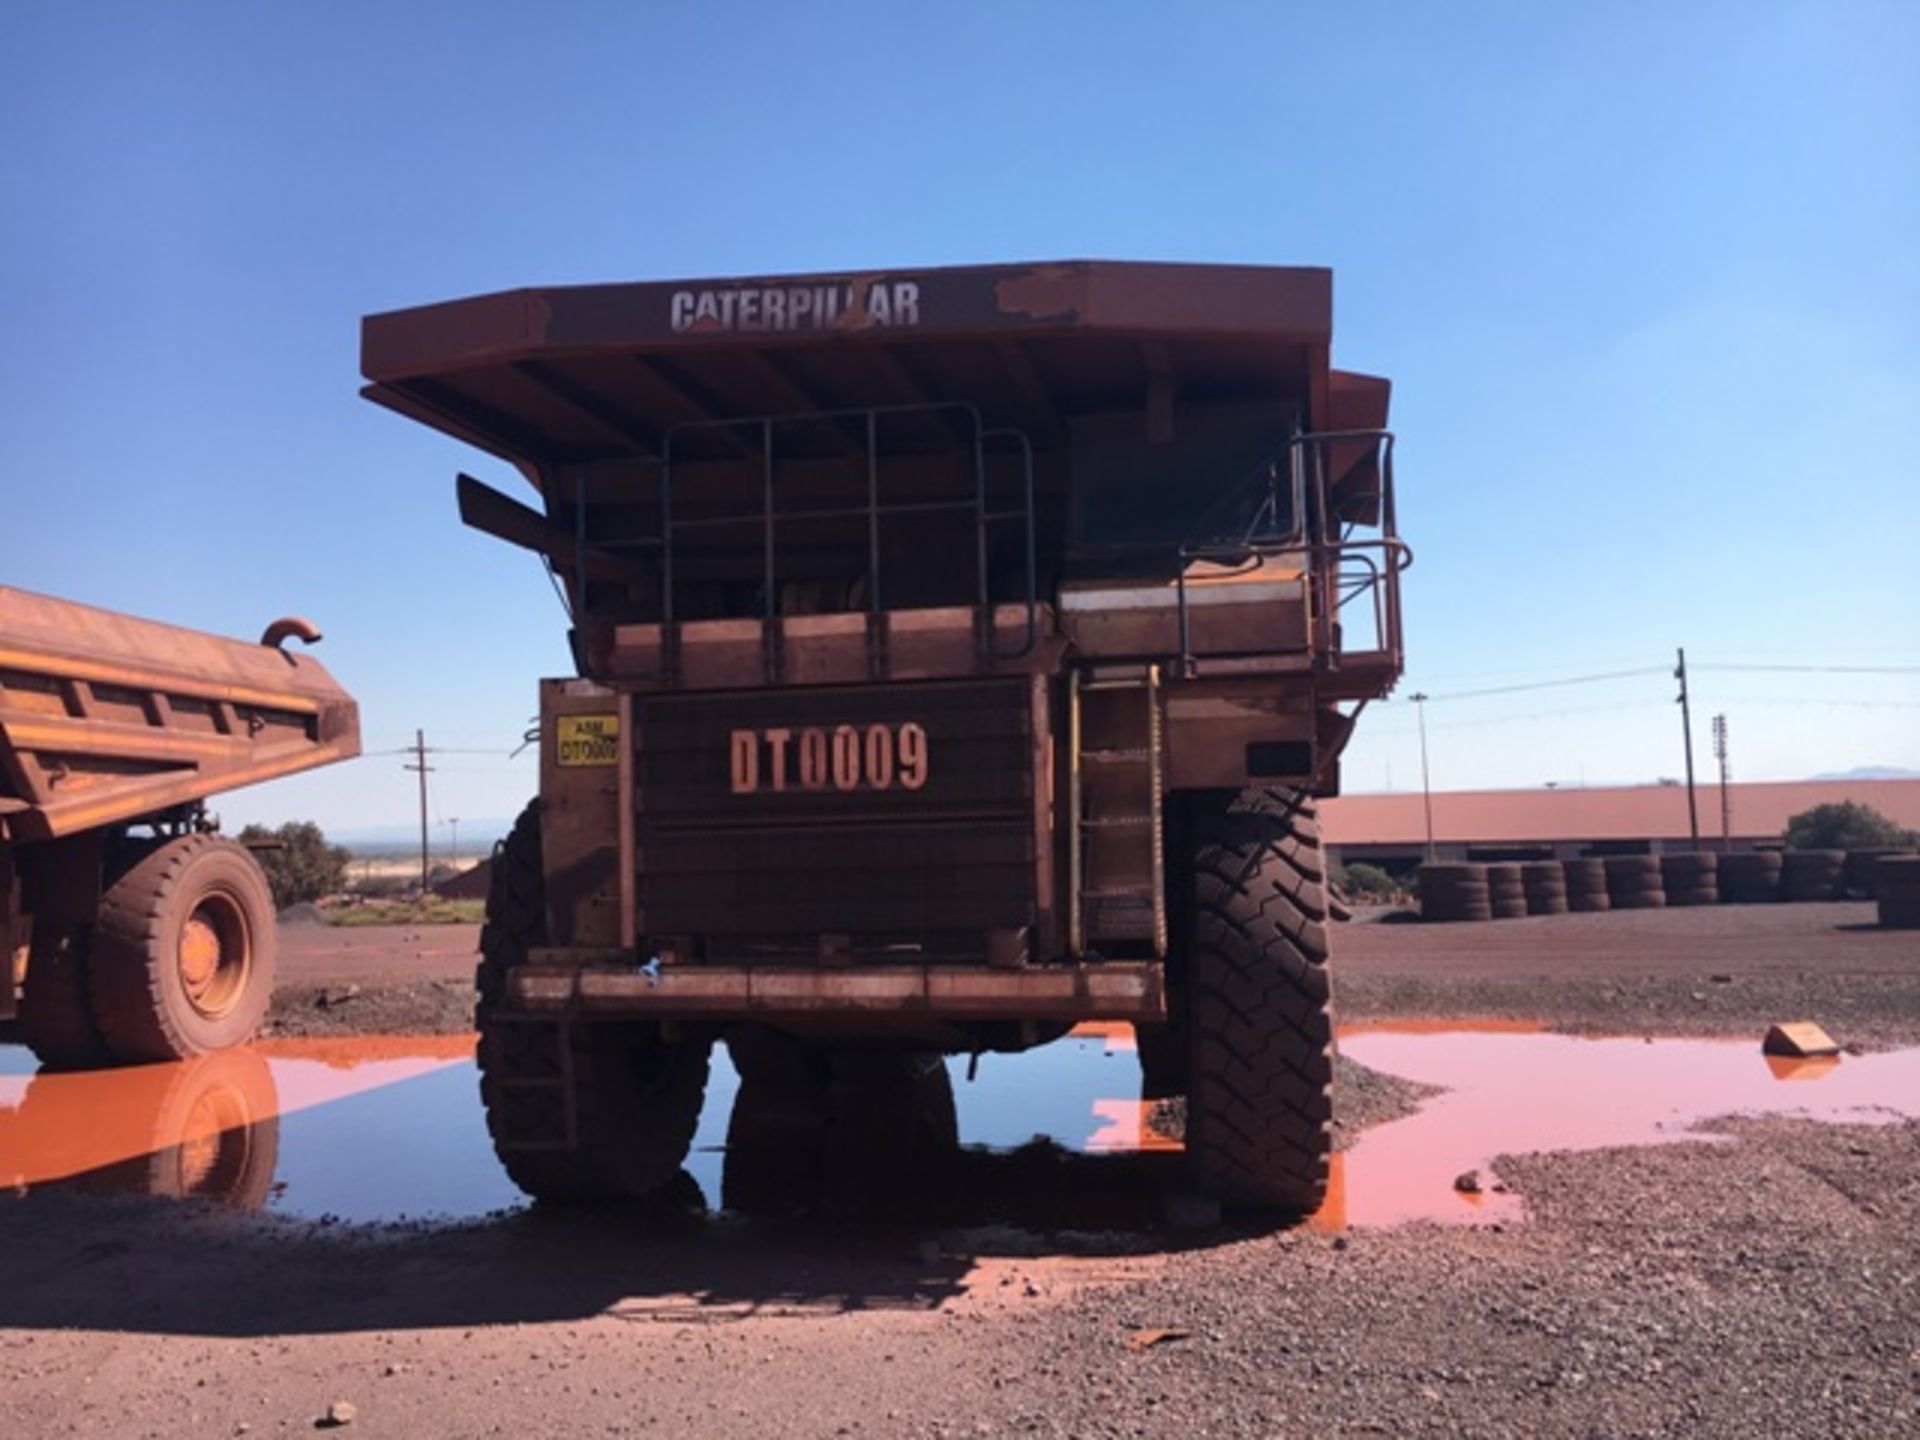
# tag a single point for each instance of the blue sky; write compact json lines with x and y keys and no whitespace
{"x":1646,"y":278}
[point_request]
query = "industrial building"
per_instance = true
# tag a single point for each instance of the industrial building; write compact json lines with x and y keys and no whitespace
{"x":1565,"y":823}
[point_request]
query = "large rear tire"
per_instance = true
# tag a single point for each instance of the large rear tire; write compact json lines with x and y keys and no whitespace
{"x":1258,"y":1004}
{"x":182,"y":955}
{"x":56,"y":1004}
{"x":634,"y":1096}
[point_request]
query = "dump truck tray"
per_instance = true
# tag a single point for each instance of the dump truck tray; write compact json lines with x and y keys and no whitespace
{"x":105,"y":718}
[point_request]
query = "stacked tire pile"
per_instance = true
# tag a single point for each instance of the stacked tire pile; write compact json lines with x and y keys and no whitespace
{"x":1586,"y":885}
{"x":1813,"y":875}
{"x":1751,"y":877}
{"x":1506,"y":892}
{"x":1897,"y":880}
{"x":1634,"y":882}
{"x":1545,"y":884}
{"x":1863,"y":869}
{"x":1691,"y":877}
{"x":1455,"y":892}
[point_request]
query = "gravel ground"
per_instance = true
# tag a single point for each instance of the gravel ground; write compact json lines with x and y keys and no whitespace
{"x":1767,"y":1283}
{"x":1706,"y":971}
{"x":1709,"y":971}
{"x":1768,"y":1288}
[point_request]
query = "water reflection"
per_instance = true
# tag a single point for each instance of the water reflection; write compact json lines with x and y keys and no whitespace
{"x":389,"y":1127}
{"x":207,"y":1127}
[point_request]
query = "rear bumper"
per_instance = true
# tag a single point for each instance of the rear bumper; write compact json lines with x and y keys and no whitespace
{"x":561,"y":981}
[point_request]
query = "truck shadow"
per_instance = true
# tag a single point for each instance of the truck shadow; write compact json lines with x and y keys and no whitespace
{"x":176,"y":1240}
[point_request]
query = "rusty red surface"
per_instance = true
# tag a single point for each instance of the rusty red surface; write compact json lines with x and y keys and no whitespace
{"x":553,"y":375}
{"x":105,"y":717}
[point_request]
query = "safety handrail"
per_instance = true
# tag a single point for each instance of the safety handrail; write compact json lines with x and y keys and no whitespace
{"x":1341,"y":567}
{"x":979,"y":442}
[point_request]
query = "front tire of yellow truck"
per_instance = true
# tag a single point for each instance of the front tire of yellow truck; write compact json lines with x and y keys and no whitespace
{"x":583,"y":1111}
{"x":1256,"y":1002}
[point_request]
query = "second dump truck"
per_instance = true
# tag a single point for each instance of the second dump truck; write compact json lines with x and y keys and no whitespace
{"x":958,"y":656}
{"x":131,"y":931}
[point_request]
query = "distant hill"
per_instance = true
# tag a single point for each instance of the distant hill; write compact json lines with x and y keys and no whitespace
{"x":1871,"y":772}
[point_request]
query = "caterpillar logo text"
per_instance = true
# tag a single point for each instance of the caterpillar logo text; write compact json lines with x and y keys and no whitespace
{"x":847,"y":757}
{"x":861,"y":305}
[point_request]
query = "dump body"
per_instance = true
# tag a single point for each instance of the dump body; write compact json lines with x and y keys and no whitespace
{"x":105,"y":718}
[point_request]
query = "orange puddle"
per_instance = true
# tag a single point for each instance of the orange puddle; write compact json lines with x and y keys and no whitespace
{"x":1127,"y":1125}
{"x":210,"y":1126}
{"x":1476,"y":1024}
{"x":1516,"y":1094}
{"x":173,"y":1120}
{"x":1117,"y":1034}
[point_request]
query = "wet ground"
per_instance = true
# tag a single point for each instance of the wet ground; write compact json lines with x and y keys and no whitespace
{"x":385,"y":1129}
{"x":1640,"y":1267}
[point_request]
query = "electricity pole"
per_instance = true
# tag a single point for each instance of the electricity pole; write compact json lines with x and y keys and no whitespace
{"x":420,"y":764}
{"x":453,"y":822}
{"x":1726,"y":804}
{"x":1686,"y":731}
{"x":1419,"y":698}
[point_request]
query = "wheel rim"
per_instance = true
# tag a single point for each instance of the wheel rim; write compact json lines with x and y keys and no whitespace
{"x":215,"y":956}
{"x":214,"y":1144}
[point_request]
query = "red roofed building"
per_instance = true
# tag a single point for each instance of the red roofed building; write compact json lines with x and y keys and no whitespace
{"x":1564,"y":823}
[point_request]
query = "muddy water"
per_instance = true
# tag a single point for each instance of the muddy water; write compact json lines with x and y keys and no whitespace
{"x":1516,"y":1093}
{"x":386,"y":1128}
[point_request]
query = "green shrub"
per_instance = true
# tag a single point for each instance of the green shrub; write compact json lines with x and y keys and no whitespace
{"x":1361,"y":878}
{"x":1843,"y":826}
{"x":298,"y":861}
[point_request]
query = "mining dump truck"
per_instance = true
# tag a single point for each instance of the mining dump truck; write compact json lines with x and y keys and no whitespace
{"x":958,"y":656}
{"x":132,"y":932}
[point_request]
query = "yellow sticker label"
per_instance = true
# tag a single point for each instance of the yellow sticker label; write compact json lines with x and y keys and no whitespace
{"x":589,"y":739}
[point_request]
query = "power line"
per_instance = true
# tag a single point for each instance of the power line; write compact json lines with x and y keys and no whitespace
{"x":1817,"y":669}
{"x":1828,"y":701}
{"x":1551,"y":684}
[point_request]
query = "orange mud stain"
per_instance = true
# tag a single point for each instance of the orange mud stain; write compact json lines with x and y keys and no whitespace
{"x":1128,"y":1125}
{"x":350,"y":1051}
{"x":58,"y":1125}
{"x":1118,"y":1034}
{"x":1511,"y":1093}
{"x":1476,"y":1024}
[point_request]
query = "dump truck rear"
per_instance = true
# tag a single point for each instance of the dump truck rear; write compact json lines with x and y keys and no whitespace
{"x":958,"y":656}
{"x":132,"y":930}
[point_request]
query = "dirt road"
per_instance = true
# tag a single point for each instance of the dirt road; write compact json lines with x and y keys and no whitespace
{"x":1765,"y":1283}
{"x":1711,"y":970}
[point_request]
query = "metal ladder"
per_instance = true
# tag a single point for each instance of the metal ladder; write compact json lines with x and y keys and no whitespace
{"x":1117,"y":840}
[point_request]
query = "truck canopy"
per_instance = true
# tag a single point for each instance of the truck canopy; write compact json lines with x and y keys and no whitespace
{"x":892,"y":440}
{"x":552,"y":376}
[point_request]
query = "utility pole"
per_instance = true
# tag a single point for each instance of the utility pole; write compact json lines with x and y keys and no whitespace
{"x":420,"y":764}
{"x":1419,"y":698}
{"x":453,"y":823}
{"x":1726,"y":803}
{"x":1686,"y":731}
